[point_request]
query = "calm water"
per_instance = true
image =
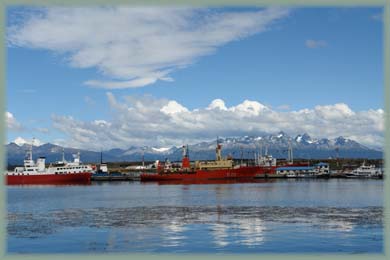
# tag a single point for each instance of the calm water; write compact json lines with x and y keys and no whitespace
{"x":283,"y":216}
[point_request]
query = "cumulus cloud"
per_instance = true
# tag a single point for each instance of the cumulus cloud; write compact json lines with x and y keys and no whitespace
{"x":313,"y":44}
{"x":217,"y":104}
{"x":12,"y":123}
{"x":136,"y":47}
{"x":159,"y":122}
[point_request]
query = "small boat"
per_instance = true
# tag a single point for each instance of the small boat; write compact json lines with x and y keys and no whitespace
{"x":366,"y":171}
{"x":61,"y":172}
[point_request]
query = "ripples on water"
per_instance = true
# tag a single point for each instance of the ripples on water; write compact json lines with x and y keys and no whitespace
{"x":195,"y":228}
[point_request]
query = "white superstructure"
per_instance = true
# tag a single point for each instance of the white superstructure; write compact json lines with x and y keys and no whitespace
{"x":62,"y":167}
{"x":366,"y":171}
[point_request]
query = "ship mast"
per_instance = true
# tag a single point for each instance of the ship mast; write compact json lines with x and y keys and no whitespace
{"x":31,"y":147}
{"x":290,"y":152}
{"x":143,"y":157}
{"x":218,"y":151}
{"x":28,"y":161}
{"x":63,"y":154}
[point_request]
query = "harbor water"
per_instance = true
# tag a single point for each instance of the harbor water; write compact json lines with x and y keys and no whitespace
{"x":266,"y":216}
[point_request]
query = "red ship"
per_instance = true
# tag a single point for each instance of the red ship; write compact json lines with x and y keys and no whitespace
{"x":221,"y":168}
{"x":62,"y":172}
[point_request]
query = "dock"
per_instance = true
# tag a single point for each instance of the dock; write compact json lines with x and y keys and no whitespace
{"x":130,"y":176}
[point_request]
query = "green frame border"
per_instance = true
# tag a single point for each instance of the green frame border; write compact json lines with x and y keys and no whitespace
{"x":302,"y":3}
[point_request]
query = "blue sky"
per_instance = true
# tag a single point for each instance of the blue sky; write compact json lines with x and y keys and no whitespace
{"x":287,"y":60}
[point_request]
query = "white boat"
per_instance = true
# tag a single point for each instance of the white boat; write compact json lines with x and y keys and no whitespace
{"x":366,"y":171}
{"x":58,"y":173}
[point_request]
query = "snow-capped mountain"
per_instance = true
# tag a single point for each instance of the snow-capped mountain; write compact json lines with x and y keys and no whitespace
{"x":277,"y":144}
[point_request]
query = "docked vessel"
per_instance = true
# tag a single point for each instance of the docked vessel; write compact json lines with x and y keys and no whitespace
{"x":366,"y":171}
{"x":221,"y":168}
{"x":320,"y":170}
{"x":61,"y":172}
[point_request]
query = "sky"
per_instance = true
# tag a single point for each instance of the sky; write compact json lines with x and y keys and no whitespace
{"x":114,"y":77}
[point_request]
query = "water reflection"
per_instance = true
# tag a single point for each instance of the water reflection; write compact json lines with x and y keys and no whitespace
{"x":303,"y":216}
{"x":173,"y":233}
{"x":211,"y":181}
{"x":248,"y":223}
{"x":252,"y":231}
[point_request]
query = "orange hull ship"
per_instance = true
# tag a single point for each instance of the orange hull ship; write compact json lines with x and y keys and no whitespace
{"x":219,"y":169}
{"x":244,"y":172}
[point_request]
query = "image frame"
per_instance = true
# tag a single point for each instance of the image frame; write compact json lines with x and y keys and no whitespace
{"x":385,"y":4}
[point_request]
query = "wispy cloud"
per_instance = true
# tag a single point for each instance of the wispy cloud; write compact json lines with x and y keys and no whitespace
{"x":12,"y":123}
{"x":90,"y":101}
{"x":42,"y":130}
{"x":136,"y":47}
{"x":377,"y":17}
{"x":313,"y":44}
{"x":150,"y":121}
{"x":27,"y":91}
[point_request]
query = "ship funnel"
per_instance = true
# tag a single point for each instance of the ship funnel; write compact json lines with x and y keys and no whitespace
{"x":41,"y":164}
{"x":76,"y":158}
{"x":185,"y":163}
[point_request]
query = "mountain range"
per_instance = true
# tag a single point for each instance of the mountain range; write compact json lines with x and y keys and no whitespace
{"x":303,"y":146}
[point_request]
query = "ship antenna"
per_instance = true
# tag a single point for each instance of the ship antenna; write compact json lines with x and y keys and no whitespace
{"x":63,"y":154}
{"x":242,"y":153}
{"x":143,"y":157}
{"x":290,"y":152}
{"x":101,"y":156}
{"x":31,"y":148}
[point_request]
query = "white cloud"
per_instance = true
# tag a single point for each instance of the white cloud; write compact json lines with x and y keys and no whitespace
{"x":337,"y":111}
{"x":135,"y":47}
{"x":173,"y":108}
{"x":315,"y":44}
{"x":249,"y":108}
{"x":163,"y":123}
{"x":12,"y":123}
{"x":217,"y":104}
{"x":21,"y":141}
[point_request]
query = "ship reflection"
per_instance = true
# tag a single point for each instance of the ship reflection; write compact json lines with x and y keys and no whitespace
{"x":248,"y":232}
{"x":211,"y":181}
{"x":176,"y":226}
{"x":173,"y":233}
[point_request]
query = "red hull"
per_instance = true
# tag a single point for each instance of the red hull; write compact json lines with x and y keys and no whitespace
{"x":243,"y":172}
{"x":54,"y":179}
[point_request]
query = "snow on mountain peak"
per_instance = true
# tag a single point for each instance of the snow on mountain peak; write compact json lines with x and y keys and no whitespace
{"x":21,"y":141}
{"x":161,"y":150}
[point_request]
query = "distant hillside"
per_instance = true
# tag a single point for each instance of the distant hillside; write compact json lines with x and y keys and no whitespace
{"x":303,"y":145}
